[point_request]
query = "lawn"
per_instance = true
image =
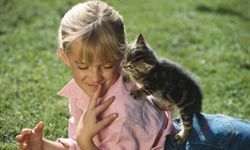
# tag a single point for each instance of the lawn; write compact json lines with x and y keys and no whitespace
{"x":208,"y":38}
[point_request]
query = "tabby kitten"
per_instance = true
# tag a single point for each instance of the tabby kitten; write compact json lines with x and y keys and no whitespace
{"x":166,"y":81}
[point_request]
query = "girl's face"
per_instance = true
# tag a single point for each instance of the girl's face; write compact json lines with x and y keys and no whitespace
{"x":89,"y":76}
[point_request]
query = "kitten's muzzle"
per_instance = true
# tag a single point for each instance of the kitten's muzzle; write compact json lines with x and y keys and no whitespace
{"x":123,"y":65}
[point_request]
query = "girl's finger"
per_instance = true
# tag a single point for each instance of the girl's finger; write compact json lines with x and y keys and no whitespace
{"x":23,"y":146}
{"x":94,"y":98}
{"x":106,"y":121}
{"x":26,"y":131}
{"x":99,"y":101}
{"x":19,"y":138}
{"x":39,"y":127}
{"x":102,"y":107}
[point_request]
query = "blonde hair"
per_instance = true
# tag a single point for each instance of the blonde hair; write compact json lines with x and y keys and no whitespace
{"x":99,"y":27}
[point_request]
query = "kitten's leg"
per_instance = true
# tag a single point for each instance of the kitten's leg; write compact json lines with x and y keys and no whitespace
{"x":139,"y":94}
{"x":187,"y":121}
{"x":163,"y":105}
{"x":186,"y":115}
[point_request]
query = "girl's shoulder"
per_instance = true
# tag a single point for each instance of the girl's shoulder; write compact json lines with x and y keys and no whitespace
{"x":69,"y":89}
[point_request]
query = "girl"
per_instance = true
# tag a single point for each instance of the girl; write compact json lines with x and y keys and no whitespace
{"x":92,"y":42}
{"x":103,"y":115}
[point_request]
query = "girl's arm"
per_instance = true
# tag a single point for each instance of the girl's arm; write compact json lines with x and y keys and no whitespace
{"x":51,"y":145}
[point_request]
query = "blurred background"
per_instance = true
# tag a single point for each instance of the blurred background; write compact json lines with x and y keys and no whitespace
{"x":211,"y":39}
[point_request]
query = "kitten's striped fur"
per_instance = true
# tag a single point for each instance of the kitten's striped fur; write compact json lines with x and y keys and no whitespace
{"x":165,"y":80}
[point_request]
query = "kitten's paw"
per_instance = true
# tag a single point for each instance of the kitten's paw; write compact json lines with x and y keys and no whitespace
{"x":180,"y":139}
{"x":163,"y":105}
{"x":136,"y":94}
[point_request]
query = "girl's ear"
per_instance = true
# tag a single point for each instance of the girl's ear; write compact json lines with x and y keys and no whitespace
{"x":64,"y":56}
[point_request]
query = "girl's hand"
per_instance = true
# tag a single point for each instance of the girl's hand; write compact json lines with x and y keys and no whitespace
{"x":31,"y":139}
{"x":89,"y":124}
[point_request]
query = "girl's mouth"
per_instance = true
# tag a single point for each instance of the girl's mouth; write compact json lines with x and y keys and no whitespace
{"x":93,"y":85}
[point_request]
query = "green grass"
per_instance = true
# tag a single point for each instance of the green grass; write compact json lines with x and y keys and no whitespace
{"x":209,"y":38}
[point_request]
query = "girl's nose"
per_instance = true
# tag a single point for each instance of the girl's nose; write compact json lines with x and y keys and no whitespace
{"x":96,"y":76}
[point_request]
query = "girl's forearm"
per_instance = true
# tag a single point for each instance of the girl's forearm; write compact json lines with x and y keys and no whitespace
{"x":51,"y":145}
{"x":89,"y":146}
{"x":86,"y":144}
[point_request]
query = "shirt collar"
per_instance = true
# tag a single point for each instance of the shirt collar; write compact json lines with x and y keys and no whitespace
{"x":75,"y":94}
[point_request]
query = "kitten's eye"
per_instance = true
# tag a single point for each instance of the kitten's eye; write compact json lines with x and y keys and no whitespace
{"x":130,"y":67}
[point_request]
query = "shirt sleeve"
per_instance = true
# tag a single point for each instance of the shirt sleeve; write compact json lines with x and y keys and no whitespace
{"x":115,"y":137}
{"x":121,"y":136}
{"x":75,"y":113}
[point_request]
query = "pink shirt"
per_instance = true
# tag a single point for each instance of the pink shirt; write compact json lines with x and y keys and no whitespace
{"x":139,"y":125}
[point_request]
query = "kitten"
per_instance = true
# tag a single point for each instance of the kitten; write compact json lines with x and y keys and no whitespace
{"x":166,"y":81}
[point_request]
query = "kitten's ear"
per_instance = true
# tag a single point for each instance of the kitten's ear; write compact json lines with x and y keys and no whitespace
{"x":140,"y":40}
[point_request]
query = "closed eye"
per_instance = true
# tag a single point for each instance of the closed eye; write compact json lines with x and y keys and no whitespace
{"x":108,"y":66}
{"x":82,"y":68}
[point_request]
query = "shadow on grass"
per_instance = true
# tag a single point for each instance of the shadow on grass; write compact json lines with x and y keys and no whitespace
{"x":222,"y":11}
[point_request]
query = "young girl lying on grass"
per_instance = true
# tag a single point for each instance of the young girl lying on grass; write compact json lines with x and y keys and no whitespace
{"x":103,"y":114}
